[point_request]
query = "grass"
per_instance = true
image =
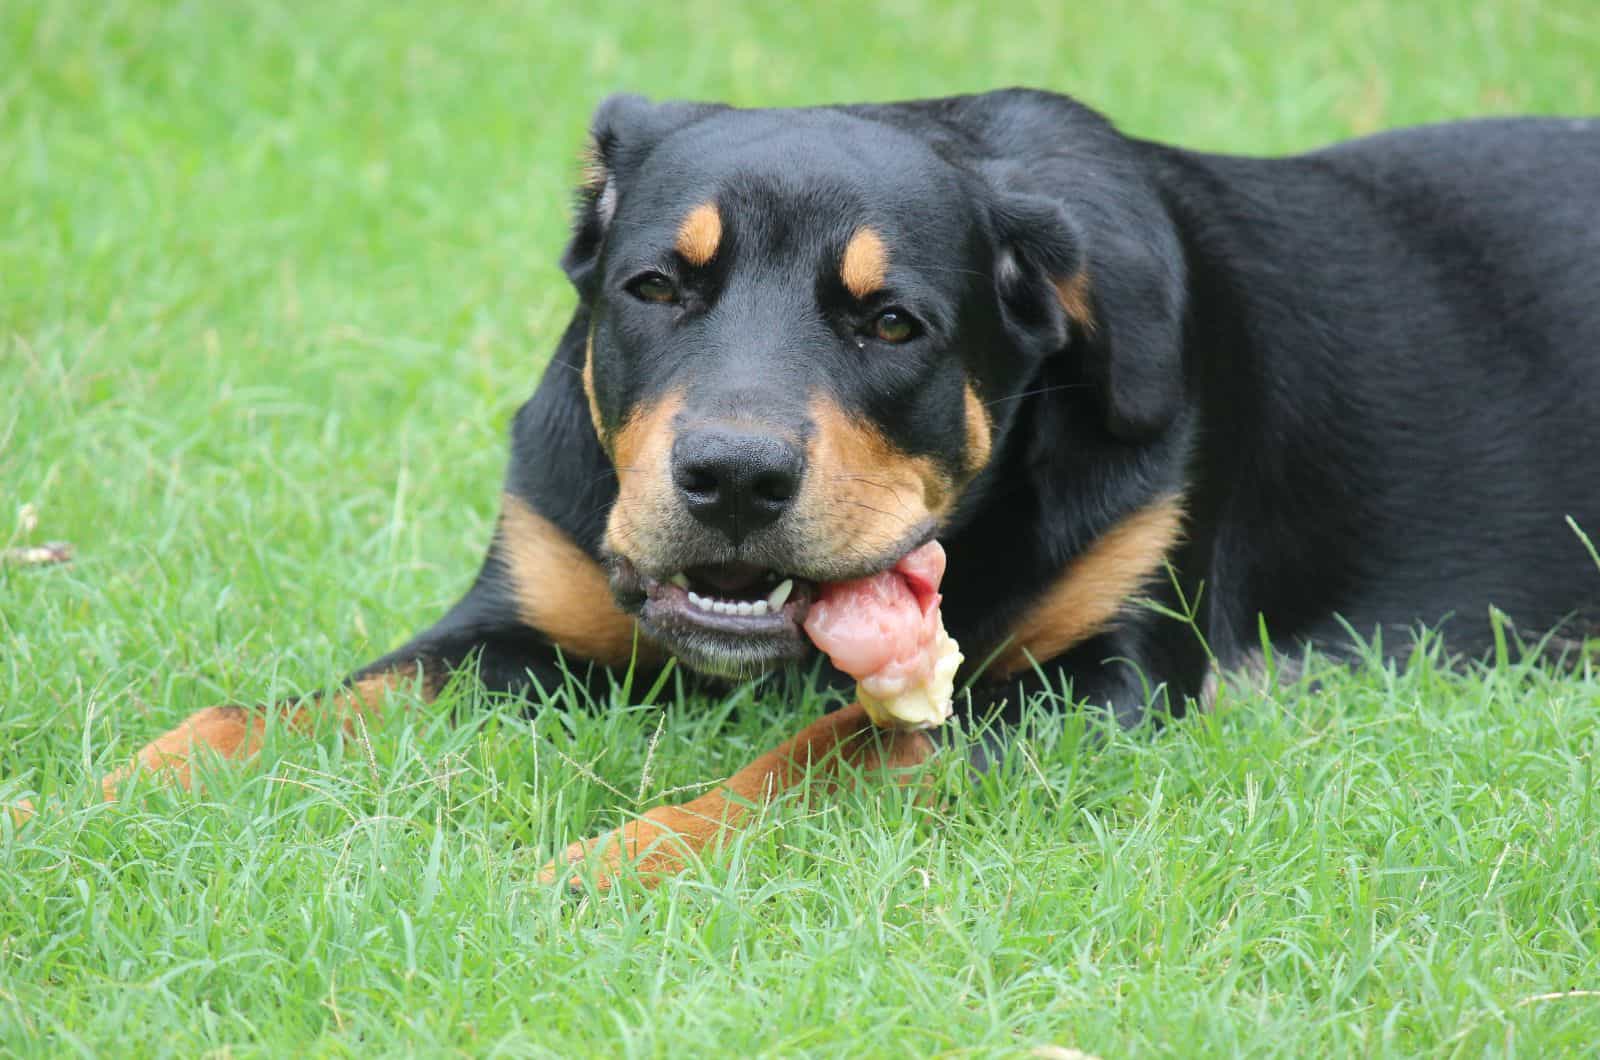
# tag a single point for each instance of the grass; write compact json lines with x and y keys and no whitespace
{"x":273,"y":278}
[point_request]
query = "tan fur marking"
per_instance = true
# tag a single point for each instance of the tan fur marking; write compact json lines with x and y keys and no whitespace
{"x":980,"y":430}
{"x":700,"y":234}
{"x":642,"y":453}
{"x":645,"y":441}
{"x":588,"y":390}
{"x":665,"y":840}
{"x":21,"y":812}
{"x":865,"y":264}
{"x":237,"y":732}
{"x":861,"y":495}
{"x":1073,"y":293}
{"x":560,"y":591}
{"x":1087,"y":596}
{"x":366,"y":695}
{"x":229,"y":732}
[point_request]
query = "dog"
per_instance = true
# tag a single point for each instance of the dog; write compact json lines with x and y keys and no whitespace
{"x":1295,"y":399}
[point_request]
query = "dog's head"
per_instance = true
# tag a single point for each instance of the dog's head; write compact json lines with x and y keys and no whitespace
{"x":805,"y":329}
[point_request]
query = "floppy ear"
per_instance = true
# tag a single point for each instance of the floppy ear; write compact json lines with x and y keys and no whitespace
{"x":622,"y":132}
{"x":1113,"y":289}
{"x":1035,"y":244}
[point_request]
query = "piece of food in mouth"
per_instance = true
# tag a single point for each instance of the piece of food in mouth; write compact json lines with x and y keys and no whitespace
{"x":886,"y":632}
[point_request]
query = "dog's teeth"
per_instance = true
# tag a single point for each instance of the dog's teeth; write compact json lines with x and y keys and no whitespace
{"x":680,"y":579}
{"x":775,"y":599}
{"x":740,"y":607}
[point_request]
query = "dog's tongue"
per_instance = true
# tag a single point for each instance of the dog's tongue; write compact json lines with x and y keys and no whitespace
{"x":886,"y":632}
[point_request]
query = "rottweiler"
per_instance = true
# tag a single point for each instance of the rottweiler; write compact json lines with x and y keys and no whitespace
{"x":1161,"y":407}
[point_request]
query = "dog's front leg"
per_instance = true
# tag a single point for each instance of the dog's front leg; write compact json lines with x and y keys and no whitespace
{"x":665,"y":840}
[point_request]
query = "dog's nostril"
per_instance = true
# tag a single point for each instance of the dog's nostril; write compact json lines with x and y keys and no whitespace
{"x":698,"y":482}
{"x":774,"y":487}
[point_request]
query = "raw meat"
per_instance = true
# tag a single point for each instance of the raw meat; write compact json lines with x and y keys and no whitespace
{"x":886,"y":632}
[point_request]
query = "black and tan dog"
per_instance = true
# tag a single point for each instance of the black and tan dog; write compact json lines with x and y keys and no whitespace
{"x":1357,"y":389}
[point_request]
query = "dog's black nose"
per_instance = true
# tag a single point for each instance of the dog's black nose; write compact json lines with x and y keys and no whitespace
{"x":735,"y":481}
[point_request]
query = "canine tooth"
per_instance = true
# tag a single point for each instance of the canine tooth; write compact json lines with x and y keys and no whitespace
{"x":775,"y":599}
{"x":680,"y":579}
{"x":759,"y":607}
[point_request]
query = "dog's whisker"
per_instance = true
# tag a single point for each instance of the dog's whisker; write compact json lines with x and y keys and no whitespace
{"x":871,"y":508}
{"x":1041,"y":390}
{"x":895,"y":491}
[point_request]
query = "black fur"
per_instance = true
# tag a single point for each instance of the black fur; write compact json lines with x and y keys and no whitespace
{"x":1372,"y":371}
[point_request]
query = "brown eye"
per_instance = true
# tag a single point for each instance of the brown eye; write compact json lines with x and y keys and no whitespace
{"x":653,"y":287}
{"x":894,"y":326}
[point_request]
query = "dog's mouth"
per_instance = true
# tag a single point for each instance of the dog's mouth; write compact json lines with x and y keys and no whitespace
{"x":734,"y":617}
{"x":725,"y":619}
{"x":737,"y":591}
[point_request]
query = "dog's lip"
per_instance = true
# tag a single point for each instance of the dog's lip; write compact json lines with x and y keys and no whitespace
{"x":664,"y":599}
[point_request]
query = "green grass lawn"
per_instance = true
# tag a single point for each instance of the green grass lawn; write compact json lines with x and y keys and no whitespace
{"x":273,"y":278}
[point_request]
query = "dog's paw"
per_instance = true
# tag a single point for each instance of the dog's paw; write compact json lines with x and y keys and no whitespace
{"x":653,"y":847}
{"x":21,"y":812}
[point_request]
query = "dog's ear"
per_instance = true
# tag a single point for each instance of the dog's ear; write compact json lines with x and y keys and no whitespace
{"x":622,"y":132}
{"x":1106,"y":285}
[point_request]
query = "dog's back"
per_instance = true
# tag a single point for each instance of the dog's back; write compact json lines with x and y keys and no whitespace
{"x":1400,"y":339}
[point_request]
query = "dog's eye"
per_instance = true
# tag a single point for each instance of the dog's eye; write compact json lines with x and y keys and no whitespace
{"x":653,"y":287}
{"x":895,"y":326}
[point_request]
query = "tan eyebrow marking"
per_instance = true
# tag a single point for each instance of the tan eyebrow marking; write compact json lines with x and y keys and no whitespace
{"x":865,"y":264}
{"x":700,"y":234}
